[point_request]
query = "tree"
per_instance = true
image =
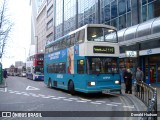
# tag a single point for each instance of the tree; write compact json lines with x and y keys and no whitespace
{"x":5,"y":26}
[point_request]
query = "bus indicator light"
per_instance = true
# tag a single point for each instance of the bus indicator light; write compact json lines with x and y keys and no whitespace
{"x":116,"y":82}
{"x":91,"y":83}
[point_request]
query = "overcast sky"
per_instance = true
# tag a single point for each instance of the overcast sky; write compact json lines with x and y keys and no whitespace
{"x":19,"y":41}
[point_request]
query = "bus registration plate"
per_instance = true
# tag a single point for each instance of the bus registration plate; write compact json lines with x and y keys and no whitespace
{"x":106,"y":91}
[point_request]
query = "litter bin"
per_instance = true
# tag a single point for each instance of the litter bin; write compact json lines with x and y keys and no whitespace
{"x":1,"y":74}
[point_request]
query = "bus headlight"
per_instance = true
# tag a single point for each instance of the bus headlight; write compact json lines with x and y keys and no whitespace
{"x":116,"y":82}
{"x":91,"y":83}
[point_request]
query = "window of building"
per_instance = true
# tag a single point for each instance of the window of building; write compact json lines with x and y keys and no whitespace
{"x":144,"y":13}
{"x":128,"y":5}
{"x":114,"y":9}
{"x":114,"y":22}
{"x":107,"y":12}
{"x":50,"y":24}
{"x":50,"y":11}
{"x":151,"y":11}
{"x":121,"y":7}
{"x":48,"y":1}
{"x":122,"y":22}
{"x":144,"y":2}
{"x":134,"y":16}
{"x":128,"y":19}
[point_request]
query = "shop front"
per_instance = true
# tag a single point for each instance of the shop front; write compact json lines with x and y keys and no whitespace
{"x":129,"y":61}
{"x":150,"y":60}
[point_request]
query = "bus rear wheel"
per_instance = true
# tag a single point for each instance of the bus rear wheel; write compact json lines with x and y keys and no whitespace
{"x":71,"y":87}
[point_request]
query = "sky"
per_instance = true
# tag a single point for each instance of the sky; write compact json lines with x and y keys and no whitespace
{"x":17,"y":47}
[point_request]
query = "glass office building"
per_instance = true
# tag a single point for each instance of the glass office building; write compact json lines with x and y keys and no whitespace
{"x":128,"y":16}
{"x":72,"y":14}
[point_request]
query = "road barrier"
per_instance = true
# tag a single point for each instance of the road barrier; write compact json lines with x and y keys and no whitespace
{"x":148,"y":95}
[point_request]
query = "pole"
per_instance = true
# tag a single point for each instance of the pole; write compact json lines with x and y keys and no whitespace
{"x":37,"y":43}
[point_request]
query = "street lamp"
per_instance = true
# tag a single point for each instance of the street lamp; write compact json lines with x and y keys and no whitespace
{"x":37,"y":43}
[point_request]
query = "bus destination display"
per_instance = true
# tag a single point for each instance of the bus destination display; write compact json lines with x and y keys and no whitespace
{"x":103,"y":49}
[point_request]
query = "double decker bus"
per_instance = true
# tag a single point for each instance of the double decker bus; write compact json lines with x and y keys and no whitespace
{"x":34,"y":67}
{"x":84,"y":60}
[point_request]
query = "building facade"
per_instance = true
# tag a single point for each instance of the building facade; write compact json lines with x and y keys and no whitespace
{"x":35,"y":5}
{"x":41,"y":28}
{"x":137,"y":22}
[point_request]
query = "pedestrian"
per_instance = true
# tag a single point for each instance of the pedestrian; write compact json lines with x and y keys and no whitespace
{"x":5,"y":73}
{"x":125,"y":78}
{"x":129,"y":81}
{"x":139,"y":77}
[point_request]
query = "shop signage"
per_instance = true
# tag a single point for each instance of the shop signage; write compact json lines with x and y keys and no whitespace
{"x":131,"y":53}
{"x":103,"y":49}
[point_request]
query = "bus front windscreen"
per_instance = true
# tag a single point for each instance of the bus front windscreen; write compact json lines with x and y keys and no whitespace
{"x":39,"y":56}
{"x":102,"y":65}
{"x":99,"y":34}
{"x":39,"y":70}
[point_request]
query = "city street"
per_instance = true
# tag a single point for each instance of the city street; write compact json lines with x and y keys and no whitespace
{"x":22,"y":94}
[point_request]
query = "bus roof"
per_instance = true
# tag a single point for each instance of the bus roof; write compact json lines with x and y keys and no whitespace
{"x":87,"y":25}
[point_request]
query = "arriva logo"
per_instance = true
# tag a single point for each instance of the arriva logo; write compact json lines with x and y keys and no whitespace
{"x":107,"y":77}
{"x":59,"y":76}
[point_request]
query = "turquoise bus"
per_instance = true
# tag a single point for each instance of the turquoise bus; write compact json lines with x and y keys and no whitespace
{"x":84,"y":60}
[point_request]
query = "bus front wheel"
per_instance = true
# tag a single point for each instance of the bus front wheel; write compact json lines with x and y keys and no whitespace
{"x":71,"y":87}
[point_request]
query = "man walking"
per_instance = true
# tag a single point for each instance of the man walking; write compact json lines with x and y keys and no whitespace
{"x":139,"y":77}
{"x":5,"y":73}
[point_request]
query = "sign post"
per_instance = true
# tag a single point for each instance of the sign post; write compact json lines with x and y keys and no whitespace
{"x":131,"y":54}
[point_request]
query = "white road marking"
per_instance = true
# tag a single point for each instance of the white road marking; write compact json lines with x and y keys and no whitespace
{"x":81,"y":101}
{"x":101,"y":101}
{"x":32,"y":88}
{"x":67,"y":99}
{"x":41,"y":95}
{"x":61,"y":97}
{"x":45,"y":97}
{"x":129,"y":106}
{"x":51,"y":96}
{"x":111,"y":105}
{"x":95,"y":103}
{"x":115,"y":103}
{"x":3,"y":89}
{"x":35,"y":96}
{"x":55,"y":98}
{"x":73,"y":98}
{"x":85,"y":99}
{"x":26,"y":94}
{"x":18,"y":93}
